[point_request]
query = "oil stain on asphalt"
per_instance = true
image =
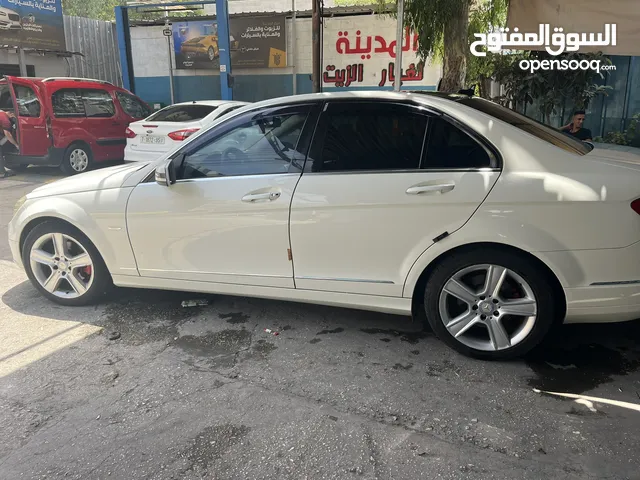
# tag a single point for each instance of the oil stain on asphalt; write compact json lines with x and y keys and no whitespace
{"x":409,"y":337}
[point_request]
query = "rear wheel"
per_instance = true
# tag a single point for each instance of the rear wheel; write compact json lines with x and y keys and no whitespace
{"x":490,"y":303}
{"x":77,"y":159}
{"x":64,"y":265}
{"x":211,"y":53}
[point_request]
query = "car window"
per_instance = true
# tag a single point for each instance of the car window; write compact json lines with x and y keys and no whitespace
{"x":67,"y":103}
{"x":182,"y":113}
{"x":529,"y":125}
{"x":260,"y":146}
{"x":6,"y":102}
{"x":369,"y":137}
{"x":98,"y":103}
{"x":450,"y":147}
{"x":132,"y":106}
{"x":28,"y":103}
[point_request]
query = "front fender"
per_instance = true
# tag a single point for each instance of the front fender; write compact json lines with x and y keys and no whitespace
{"x":104,"y":223}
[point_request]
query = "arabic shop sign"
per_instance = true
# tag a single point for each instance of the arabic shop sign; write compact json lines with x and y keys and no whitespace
{"x":32,"y":24}
{"x":361,"y":52}
{"x":563,"y":42}
{"x":256,"y":42}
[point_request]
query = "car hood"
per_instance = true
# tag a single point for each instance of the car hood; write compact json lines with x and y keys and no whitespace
{"x":102,"y":179}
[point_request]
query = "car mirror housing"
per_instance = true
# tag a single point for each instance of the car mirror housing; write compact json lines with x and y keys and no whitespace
{"x":166,"y":174}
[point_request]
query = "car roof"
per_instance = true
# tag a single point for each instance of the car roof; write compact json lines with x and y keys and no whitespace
{"x":212,"y":103}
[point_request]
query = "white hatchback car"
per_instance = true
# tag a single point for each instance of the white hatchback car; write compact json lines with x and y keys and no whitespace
{"x":167,"y":128}
{"x":495,"y":225}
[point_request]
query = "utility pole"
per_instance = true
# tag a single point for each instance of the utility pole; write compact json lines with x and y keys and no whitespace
{"x":168,"y":27}
{"x":399,"y":31}
{"x":293,"y":46}
{"x":224,"y":49}
{"x":22,"y":62}
{"x":315,"y":29}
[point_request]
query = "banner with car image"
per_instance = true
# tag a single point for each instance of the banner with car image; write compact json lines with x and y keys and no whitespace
{"x":32,"y":24}
{"x":256,"y":42}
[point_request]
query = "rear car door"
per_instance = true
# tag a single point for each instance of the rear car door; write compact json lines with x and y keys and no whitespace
{"x":31,"y":116}
{"x":381,"y":182}
{"x":103,"y":124}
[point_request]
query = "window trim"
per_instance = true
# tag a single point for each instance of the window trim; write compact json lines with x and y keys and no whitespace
{"x":215,"y":133}
{"x":421,"y":109}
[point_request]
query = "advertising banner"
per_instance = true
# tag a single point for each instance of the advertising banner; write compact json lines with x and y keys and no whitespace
{"x":32,"y":24}
{"x":584,"y":18}
{"x":256,"y":42}
{"x":361,"y":52}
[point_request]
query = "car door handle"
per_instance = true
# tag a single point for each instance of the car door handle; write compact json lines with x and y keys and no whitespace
{"x":438,"y":187}
{"x":254,"y":197}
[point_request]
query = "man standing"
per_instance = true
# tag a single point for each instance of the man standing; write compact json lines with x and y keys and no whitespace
{"x":6,"y":127}
{"x":575,"y":127}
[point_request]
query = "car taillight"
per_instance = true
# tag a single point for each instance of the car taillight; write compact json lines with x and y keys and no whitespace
{"x":636,"y":206}
{"x":180,"y":135}
{"x":130,"y":133}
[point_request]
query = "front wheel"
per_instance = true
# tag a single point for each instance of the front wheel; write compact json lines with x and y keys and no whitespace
{"x":490,"y":303}
{"x":77,"y":159}
{"x":211,"y":53}
{"x":64,"y":265}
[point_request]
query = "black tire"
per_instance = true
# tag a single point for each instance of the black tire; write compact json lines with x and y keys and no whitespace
{"x":211,"y":53}
{"x":102,"y":281}
{"x":67,"y":161}
{"x":547,"y":311}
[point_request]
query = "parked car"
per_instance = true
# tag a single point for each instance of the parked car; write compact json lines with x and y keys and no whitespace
{"x":9,"y":19}
{"x":494,"y":225}
{"x":167,"y":128}
{"x":68,"y":122}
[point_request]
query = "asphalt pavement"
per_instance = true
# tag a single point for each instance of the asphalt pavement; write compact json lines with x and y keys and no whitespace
{"x":143,"y":388}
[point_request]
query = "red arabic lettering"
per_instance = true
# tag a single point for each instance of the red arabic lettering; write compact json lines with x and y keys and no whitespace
{"x":412,"y":74}
{"x":345,"y":76}
{"x":343,"y":46}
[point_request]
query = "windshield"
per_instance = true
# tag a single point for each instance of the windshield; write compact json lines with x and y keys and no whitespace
{"x":182,"y":113}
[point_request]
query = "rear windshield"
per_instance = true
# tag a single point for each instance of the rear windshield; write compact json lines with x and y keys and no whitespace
{"x":182,"y":113}
{"x":529,"y":125}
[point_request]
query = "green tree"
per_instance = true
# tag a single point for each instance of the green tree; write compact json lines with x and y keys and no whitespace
{"x":104,"y":10}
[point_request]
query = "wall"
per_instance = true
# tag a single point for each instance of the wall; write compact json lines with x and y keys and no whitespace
{"x":44,"y":65}
{"x":97,"y":41}
{"x":150,"y":54}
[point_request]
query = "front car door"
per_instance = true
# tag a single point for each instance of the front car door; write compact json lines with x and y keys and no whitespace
{"x":31,"y":115}
{"x":383,"y":180}
{"x":226,"y":217}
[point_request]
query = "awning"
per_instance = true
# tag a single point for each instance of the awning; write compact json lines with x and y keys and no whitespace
{"x":581,"y":16}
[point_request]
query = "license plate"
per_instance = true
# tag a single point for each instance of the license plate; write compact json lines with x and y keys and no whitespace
{"x":152,"y":140}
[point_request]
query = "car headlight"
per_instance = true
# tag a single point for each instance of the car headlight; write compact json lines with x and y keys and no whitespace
{"x":18,"y":204}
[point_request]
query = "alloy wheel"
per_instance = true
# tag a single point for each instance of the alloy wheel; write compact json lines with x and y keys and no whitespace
{"x":488,"y":307}
{"x":61,"y":265}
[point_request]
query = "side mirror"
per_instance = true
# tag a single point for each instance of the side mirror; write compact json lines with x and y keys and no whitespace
{"x":162,"y":176}
{"x":166,"y":174}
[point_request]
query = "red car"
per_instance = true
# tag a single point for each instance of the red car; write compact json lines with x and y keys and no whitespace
{"x":68,"y":122}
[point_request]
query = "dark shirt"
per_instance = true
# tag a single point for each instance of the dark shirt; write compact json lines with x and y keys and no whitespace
{"x":581,"y":134}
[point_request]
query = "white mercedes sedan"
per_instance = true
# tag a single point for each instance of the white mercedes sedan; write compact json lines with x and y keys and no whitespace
{"x":492,"y":224}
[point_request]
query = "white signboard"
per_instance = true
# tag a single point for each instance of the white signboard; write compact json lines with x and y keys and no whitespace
{"x":360,"y":51}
